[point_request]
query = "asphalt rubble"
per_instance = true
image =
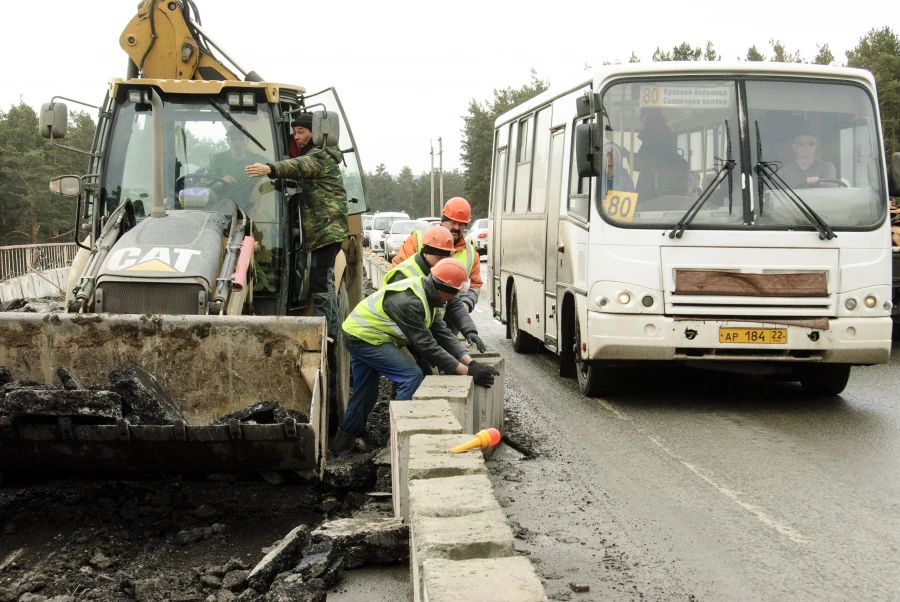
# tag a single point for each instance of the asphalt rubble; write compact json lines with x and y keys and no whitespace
{"x":226,"y":537}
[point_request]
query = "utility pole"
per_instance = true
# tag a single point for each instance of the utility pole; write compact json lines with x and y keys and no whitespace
{"x":441,"y":166}
{"x":432,"y":214}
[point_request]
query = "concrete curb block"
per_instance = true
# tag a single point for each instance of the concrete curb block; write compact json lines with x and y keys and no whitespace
{"x":33,"y":286}
{"x":461,"y":543}
{"x":410,"y":418}
{"x":459,"y":391}
{"x":496,"y":579}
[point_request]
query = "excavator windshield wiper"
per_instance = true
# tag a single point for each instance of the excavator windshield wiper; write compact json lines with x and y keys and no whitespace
{"x":767,"y":171}
{"x":723,"y":172}
{"x":235,"y":123}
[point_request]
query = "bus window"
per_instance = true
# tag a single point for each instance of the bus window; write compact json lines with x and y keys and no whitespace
{"x":511,"y":174}
{"x":523,"y":167}
{"x":541,"y":158}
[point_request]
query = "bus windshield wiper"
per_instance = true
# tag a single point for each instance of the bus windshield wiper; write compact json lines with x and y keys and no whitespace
{"x":694,"y":209}
{"x":235,"y":123}
{"x":767,"y":171}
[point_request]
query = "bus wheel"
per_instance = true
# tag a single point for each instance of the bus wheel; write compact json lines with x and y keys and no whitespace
{"x":522,"y":341}
{"x":594,"y":379}
{"x":824,"y":379}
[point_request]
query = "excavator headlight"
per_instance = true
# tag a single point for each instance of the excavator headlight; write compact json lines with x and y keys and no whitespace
{"x":134,"y":97}
{"x":234,"y":99}
{"x":248,"y":100}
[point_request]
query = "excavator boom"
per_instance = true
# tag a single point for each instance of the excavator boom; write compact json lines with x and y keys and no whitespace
{"x":163,"y":42}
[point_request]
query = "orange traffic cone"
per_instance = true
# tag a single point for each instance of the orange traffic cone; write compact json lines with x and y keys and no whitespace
{"x":483,"y":440}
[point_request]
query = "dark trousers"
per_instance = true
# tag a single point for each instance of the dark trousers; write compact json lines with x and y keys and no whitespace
{"x":368,"y":363}
{"x":322,"y":291}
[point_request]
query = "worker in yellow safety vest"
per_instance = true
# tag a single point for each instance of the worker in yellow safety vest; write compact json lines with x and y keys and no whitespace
{"x":437,"y":243}
{"x":404,"y":313}
{"x":454,"y":216}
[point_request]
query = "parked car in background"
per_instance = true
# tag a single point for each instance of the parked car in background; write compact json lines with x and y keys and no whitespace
{"x":400,"y":231}
{"x":381,"y":225}
{"x":367,"y":219}
{"x":478,"y":236}
{"x":432,"y":221}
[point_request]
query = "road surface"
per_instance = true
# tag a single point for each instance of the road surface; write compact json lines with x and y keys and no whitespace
{"x":701,"y":485}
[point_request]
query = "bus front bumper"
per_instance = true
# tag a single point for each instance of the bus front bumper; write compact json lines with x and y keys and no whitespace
{"x":654,"y":337}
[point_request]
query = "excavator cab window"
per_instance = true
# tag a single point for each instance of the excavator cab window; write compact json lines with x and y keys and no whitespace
{"x":205,"y":149}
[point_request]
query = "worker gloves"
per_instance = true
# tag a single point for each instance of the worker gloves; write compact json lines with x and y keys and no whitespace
{"x":482,"y":374}
{"x":472,"y":337}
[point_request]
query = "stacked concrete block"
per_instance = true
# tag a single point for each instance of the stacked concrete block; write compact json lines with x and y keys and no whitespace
{"x":430,"y":458}
{"x":34,"y":286}
{"x":488,"y":403}
{"x":456,"y":518}
{"x":496,"y":579}
{"x":408,"y":418}
{"x":459,"y":391}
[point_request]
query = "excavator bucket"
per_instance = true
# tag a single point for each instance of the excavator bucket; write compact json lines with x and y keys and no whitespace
{"x":210,"y":365}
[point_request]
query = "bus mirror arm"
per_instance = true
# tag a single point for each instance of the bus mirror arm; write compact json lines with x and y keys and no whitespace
{"x":584,"y":106}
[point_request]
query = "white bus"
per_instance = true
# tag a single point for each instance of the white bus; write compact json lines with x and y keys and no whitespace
{"x":695,"y":212}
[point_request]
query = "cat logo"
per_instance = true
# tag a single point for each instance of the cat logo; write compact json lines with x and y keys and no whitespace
{"x":157,"y":259}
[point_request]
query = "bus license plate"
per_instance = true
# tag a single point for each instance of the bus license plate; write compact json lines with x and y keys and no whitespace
{"x":757,"y":336}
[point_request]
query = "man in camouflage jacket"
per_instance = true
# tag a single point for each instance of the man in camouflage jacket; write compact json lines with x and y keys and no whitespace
{"x":323,"y":211}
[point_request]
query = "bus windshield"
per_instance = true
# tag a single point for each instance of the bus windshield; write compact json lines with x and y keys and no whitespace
{"x":667,"y":140}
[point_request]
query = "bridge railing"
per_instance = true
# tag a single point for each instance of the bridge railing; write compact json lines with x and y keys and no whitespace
{"x":18,"y":260}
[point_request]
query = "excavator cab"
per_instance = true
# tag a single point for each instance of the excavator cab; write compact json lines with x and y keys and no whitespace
{"x":189,"y":271}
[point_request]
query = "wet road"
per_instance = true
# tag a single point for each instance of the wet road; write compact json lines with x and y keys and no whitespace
{"x":701,"y":485}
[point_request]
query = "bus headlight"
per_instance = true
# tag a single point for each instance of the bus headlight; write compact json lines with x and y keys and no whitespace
{"x":850,"y":304}
{"x":870,"y":301}
{"x":624,"y":298}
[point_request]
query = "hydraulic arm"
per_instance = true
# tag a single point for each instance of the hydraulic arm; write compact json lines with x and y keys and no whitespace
{"x":163,"y":41}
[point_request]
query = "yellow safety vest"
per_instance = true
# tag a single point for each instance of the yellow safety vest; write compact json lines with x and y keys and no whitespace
{"x":369,"y":322}
{"x":408,"y":268}
{"x":465,"y":256}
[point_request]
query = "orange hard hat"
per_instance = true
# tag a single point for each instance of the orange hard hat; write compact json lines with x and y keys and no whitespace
{"x":458,"y":210}
{"x":438,"y":237}
{"x":451,"y":273}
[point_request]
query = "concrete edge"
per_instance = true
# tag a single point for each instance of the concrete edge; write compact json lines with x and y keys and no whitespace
{"x":454,"y":543}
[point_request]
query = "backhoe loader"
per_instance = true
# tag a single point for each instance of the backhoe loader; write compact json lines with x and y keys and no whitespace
{"x":194,"y":276}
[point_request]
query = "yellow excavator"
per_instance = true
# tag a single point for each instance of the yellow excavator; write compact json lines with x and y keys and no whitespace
{"x":194,"y":276}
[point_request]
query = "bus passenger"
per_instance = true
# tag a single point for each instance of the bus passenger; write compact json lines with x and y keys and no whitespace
{"x":662,"y":171}
{"x":617,"y":177}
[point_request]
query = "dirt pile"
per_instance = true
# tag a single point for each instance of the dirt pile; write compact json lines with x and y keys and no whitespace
{"x":185,"y":541}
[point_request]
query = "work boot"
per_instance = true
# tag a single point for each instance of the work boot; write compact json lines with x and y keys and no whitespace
{"x":343,"y":443}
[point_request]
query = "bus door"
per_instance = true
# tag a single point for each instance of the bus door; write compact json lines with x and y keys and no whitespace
{"x":501,"y":140}
{"x":551,"y":263}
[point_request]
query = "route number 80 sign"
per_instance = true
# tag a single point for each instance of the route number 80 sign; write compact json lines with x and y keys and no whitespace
{"x":619,"y":206}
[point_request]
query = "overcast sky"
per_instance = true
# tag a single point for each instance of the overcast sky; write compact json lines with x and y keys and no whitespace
{"x":406,"y":71}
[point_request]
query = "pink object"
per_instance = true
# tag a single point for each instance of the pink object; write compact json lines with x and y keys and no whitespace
{"x":239,"y":278}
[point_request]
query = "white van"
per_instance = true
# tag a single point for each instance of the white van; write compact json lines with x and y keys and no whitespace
{"x":381,"y":223}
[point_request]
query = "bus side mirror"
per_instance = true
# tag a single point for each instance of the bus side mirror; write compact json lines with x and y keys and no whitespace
{"x":894,"y":176}
{"x":66,"y":185}
{"x":588,"y":146}
{"x":53,"y":120}
{"x":326,"y":128}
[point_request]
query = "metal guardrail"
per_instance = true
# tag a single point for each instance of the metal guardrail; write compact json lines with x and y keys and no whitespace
{"x":18,"y":260}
